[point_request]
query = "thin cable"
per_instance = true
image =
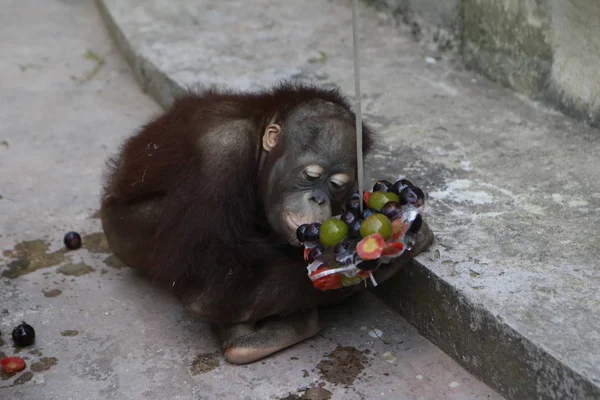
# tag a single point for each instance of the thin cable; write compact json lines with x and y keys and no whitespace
{"x":359,"y":138}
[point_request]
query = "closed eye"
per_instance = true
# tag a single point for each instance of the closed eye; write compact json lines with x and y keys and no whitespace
{"x":337,"y":185}
{"x":313,"y":172}
{"x":339,"y":181}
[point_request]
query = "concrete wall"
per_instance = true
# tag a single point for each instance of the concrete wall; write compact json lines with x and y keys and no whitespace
{"x":547,"y":49}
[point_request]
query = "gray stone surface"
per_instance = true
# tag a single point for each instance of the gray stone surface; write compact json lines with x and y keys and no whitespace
{"x":546,"y":49}
{"x":514,"y":186}
{"x":104,"y":332}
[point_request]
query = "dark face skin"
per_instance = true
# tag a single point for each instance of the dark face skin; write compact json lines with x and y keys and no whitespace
{"x":309,"y":166}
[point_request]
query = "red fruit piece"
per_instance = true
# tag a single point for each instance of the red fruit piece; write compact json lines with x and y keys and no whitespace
{"x":399,"y":228}
{"x":392,"y":249}
{"x":328,"y":282}
{"x":370,"y":247}
{"x":367,"y":196}
{"x":306,"y":253}
{"x":12,"y":364}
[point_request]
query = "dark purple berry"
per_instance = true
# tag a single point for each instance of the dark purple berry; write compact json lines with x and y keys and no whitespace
{"x":72,"y":240}
{"x":420,"y":194}
{"x":348,"y":217}
{"x":311,"y":233}
{"x":342,"y":247}
{"x":354,"y":229}
{"x":392,"y":210}
{"x":367,"y":212}
{"x":401,"y":184}
{"x":368,"y":265}
{"x":23,"y":335}
{"x":354,"y":195}
{"x":315,"y":253}
{"x":353,"y":205}
{"x":382,"y":186}
{"x":300,"y":232}
{"x":407,"y":196}
{"x":415,"y":227}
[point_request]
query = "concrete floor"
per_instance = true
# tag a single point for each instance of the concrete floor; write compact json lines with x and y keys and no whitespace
{"x":510,"y":288}
{"x":103,"y":332}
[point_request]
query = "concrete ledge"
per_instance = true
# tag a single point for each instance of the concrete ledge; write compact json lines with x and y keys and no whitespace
{"x":510,"y":288}
{"x":482,"y":342}
{"x":546,"y":49}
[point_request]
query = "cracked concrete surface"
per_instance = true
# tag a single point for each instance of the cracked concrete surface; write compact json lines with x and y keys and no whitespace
{"x":103,"y":331}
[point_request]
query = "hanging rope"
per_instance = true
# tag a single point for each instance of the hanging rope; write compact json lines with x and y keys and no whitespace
{"x":359,"y":152}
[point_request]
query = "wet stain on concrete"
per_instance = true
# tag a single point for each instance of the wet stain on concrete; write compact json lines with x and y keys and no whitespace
{"x":95,"y":243}
{"x":44,"y":364}
{"x":204,"y":363}
{"x":36,"y":352}
{"x":114,"y":262}
{"x":69,"y":333}
{"x":342,"y":365}
{"x":313,"y":393}
{"x":31,"y":256}
{"x":78,"y":269}
{"x":24,"y":378}
{"x":2,"y":342}
{"x":52,"y":293}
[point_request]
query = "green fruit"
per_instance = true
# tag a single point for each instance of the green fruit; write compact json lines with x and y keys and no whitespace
{"x":376,"y":223}
{"x":380,"y":199}
{"x":351,"y":281}
{"x":332,"y":232}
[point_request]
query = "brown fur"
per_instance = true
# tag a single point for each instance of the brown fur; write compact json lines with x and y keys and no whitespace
{"x":182,"y":201}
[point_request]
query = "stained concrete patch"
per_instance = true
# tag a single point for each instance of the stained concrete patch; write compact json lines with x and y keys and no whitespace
{"x":96,"y":242}
{"x":69,"y":333}
{"x":204,"y":363}
{"x":52,"y":293}
{"x":314,"y":393}
{"x":30,"y":256}
{"x":24,"y":378}
{"x":78,"y":269}
{"x":114,"y":262}
{"x":342,"y":365}
{"x":44,"y":364}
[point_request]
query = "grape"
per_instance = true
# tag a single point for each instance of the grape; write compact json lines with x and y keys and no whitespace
{"x":401,"y":184}
{"x":382,"y":186}
{"x":353,"y":205}
{"x":342,"y":247}
{"x":300,"y":232}
{"x":23,"y":335}
{"x":407,"y":196}
{"x":392,"y":210}
{"x":332,"y":232}
{"x":311,"y":234}
{"x":376,"y":223}
{"x":354,"y":231}
{"x":315,"y":253}
{"x":367,"y":212}
{"x":379,"y":199}
{"x":72,"y":240}
{"x":348,"y":217}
